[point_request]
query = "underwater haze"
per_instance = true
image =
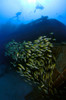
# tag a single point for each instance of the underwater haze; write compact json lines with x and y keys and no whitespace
{"x":26,"y":20}
{"x":25,"y":11}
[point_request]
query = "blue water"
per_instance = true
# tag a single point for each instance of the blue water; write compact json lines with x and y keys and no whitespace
{"x":31,"y":10}
{"x":27,"y":20}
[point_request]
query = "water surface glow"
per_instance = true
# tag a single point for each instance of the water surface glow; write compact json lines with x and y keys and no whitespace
{"x":52,"y":8}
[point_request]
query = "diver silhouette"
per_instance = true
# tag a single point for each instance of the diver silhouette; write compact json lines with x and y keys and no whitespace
{"x":38,"y":6}
{"x":17,"y":16}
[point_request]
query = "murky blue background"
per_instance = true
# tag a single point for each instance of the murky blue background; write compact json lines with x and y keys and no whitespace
{"x":52,"y":8}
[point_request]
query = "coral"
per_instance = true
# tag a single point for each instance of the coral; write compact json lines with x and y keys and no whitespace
{"x":34,"y":60}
